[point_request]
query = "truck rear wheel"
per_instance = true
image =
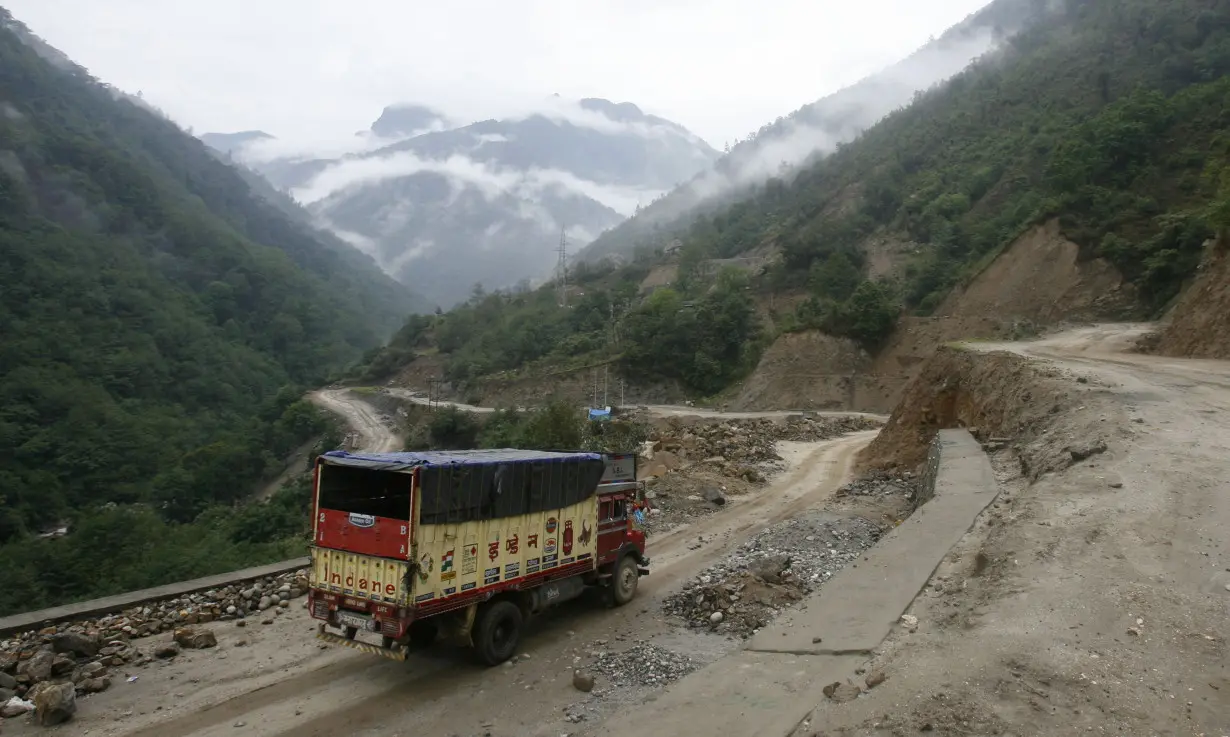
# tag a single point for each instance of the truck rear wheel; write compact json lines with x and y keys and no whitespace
{"x":623,"y":583}
{"x":497,"y":632}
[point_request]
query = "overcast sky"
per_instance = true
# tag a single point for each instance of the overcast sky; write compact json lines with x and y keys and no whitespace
{"x":319,"y":69}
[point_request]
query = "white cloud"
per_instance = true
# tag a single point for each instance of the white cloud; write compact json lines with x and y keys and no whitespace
{"x":322,"y":69}
{"x":493,"y":183}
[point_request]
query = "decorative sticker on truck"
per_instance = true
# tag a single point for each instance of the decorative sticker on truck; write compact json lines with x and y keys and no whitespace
{"x":362,"y":520}
{"x":426,"y":566}
{"x":471,"y":556}
{"x":469,"y":559}
{"x":446,"y":567}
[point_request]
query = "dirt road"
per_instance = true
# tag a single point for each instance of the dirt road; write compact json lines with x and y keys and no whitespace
{"x":1095,"y":600}
{"x":274,"y":679}
{"x":374,"y":435}
{"x":656,"y":410}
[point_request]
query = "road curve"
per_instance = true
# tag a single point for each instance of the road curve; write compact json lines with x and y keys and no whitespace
{"x":363,"y":419}
{"x":657,"y":410}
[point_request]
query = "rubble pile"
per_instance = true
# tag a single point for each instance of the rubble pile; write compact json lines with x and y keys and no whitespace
{"x":643,"y":665}
{"x":744,"y":447}
{"x":882,"y":484}
{"x":85,"y":653}
{"x":743,"y":593}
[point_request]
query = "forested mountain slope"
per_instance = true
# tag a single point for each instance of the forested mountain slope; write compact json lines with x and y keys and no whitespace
{"x":1108,"y":115}
{"x":159,"y":323}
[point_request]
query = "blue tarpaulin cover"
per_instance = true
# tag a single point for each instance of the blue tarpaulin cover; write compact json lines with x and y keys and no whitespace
{"x":600,"y":414}
{"x":449,"y":458}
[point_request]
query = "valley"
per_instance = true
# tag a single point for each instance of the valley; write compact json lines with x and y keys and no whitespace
{"x":925,"y":380}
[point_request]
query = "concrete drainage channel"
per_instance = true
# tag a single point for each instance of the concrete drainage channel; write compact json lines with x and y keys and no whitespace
{"x":768,"y":688}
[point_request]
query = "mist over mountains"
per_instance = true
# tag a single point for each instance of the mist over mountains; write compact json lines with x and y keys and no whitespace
{"x":444,"y":206}
{"x":781,"y":147}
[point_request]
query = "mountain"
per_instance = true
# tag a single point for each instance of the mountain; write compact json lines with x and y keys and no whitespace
{"x":229,"y":143}
{"x":408,"y":120}
{"x":817,"y":129}
{"x":486,"y":202}
{"x":160,"y":323}
{"x":1093,"y":138}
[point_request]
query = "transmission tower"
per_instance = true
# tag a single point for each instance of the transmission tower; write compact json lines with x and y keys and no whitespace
{"x":562,"y":269}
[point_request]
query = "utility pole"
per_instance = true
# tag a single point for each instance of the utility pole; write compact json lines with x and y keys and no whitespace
{"x":562,"y":268}
{"x":623,"y":399}
{"x":606,"y":384}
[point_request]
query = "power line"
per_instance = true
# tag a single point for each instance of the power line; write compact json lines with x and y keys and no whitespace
{"x":562,"y":268}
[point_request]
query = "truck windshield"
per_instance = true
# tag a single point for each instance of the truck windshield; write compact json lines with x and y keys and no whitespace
{"x":364,"y":491}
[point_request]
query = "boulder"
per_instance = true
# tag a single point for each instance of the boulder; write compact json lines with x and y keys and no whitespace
{"x":55,"y":704}
{"x":582,"y":681}
{"x":75,"y":643}
{"x":95,"y":685}
{"x":38,"y":668}
{"x":195,"y":638}
{"x":62,"y":665}
{"x":770,"y":568}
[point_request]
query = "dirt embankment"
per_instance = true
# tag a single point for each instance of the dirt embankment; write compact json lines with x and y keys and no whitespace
{"x":1037,"y":282}
{"x":1199,"y":325}
{"x":1040,"y":278}
{"x":1048,"y":415}
{"x":812,"y":370}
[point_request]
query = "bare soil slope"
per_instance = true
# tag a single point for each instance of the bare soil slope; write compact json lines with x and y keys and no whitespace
{"x":1039,"y":278}
{"x":807,"y":370}
{"x":1200,"y":322}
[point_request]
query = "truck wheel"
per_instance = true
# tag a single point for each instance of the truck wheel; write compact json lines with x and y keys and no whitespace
{"x":497,"y":632}
{"x":350,"y":632}
{"x":623,"y":583}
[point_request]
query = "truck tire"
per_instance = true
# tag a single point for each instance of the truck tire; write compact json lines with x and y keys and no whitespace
{"x":497,"y":632}
{"x":624,"y":581}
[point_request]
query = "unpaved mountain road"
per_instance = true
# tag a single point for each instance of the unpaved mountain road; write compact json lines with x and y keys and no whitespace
{"x":374,"y":435}
{"x":1096,"y":600}
{"x":656,"y":410}
{"x":275,"y":679}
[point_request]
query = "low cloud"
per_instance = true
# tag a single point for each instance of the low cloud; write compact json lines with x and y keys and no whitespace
{"x":492,"y":182}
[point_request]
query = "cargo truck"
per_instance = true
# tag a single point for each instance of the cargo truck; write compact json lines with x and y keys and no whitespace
{"x":466,"y":545}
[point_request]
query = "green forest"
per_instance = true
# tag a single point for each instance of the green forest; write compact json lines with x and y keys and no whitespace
{"x":162,"y":320}
{"x":160,"y":326}
{"x":1110,"y":115}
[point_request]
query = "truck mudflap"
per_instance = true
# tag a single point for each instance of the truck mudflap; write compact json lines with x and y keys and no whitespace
{"x":397,"y":653}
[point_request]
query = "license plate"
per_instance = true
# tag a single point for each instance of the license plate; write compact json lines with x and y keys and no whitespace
{"x":355,"y":620}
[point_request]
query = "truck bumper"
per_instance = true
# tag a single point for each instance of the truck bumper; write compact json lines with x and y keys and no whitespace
{"x":397,"y":653}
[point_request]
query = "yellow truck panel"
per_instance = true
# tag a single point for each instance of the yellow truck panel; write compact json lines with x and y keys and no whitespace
{"x":454,"y":559}
{"x":359,"y":576}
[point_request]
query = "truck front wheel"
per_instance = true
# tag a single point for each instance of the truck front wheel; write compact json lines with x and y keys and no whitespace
{"x":497,"y":632}
{"x":623,"y":583}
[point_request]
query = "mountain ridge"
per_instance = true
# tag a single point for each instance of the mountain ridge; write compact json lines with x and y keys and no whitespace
{"x":486,"y":202}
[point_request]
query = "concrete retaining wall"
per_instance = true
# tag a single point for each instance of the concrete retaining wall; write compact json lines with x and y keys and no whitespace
{"x":120,"y":602}
{"x":926,"y":490}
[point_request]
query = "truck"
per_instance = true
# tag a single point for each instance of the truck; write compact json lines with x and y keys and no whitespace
{"x":465,"y":546}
